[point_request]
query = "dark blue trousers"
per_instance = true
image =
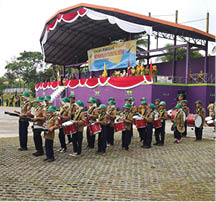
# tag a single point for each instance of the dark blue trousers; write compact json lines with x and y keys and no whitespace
{"x":126,"y":139}
{"x":90,"y":139}
{"x":23,"y":133}
{"x":160,"y":134}
{"x":110,"y":135}
{"x":49,"y":148}
{"x":62,"y":138}
{"x":77,"y":139}
{"x":149,"y":134}
{"x":102,"y":139}
{"x":38,"y":141}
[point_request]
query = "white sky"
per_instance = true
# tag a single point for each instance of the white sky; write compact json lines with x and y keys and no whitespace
{"x":22,"y":21}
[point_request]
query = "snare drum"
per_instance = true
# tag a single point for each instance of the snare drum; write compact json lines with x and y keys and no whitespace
{"x":69,"y":128}
{"x":169,"y":113}
{"x":140,"y":123}
{"x":194,"y":120}
{"x":94,"y":128}
{"x":157,"y":124}
{"x":208,"y":118}
{"x":134,"y":119}
{"x":211,"y":123}
{"x":119,"y":126}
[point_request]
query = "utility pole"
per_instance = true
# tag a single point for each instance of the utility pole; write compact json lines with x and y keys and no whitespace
{"x":176,"y":16}
{"x":207,"y":22}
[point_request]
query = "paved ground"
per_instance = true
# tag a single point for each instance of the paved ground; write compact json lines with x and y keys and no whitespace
{"x":173,"y":172}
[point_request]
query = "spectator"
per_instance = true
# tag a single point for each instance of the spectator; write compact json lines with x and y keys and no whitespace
{"x":211,"y":108}
{"x":200,"y":77}
{"x":190,"y":76}
{"x":138,"y":70}
{"x":7,"y":101}
{"x":146,"y":70}
{"x":154,"y":73}
{"x":123,"y":74}
{"x":142,"y":69}
{"x":133,"y":71}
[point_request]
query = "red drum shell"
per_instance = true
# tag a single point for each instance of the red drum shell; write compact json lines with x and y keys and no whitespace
{"x":119,"y":126}
{"x":94,"y":128}
{"x":191,"y":119}
{"x":211,"y":123}
{"x":72,"y":129}
{"x":141,"y":123}
{"x":65,"y":129}
{"x":86,"y":122}
{"x":69,"y":129}
{"x":134,"y":121}
{"x":157,"y":124}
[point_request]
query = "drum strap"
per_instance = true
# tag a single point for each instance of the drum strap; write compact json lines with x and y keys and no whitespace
{"x":77,"y":115}
{"x":91,"y":109}
{"x":24,"y":108}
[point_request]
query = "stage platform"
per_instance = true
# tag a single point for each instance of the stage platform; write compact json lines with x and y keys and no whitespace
{"x":122,"y":87}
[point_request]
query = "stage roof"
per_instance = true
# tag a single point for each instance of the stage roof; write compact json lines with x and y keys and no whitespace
{"x":71,"y":32}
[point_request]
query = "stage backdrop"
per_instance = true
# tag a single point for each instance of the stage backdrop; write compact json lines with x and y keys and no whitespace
{"x":115,"y":56}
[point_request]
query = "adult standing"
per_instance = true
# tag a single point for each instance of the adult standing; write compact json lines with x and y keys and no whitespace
{"x":24,"y":121}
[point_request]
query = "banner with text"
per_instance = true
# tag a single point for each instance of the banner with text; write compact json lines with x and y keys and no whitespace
{"x":115,"y":56}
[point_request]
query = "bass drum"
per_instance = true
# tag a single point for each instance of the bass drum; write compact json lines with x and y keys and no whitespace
{"x":194,"y":120}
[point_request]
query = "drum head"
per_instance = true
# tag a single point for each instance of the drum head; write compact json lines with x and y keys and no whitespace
{"x":198,"y":121}
{"x":210,"y":122}
{"x":208,"y":118}
{"x":169,"y":112}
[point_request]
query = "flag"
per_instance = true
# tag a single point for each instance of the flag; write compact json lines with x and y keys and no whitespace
{"x":128,"y":62}
{"x":59,"y":75}
{"x":151,"y":68}
{"x":105,"y":70}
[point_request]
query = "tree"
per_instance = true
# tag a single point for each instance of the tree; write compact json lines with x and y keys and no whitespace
{"x":179,"y":56}
{"x":25,"y":67}
{"x":2,"y":84}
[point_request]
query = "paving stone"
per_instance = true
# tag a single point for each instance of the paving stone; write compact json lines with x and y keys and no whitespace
{"x":172,"y":172}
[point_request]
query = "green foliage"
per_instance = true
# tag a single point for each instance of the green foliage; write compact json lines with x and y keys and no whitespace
{"x":2,"y":85}
{"x":25,"y":67}
{"x":179,"y":56}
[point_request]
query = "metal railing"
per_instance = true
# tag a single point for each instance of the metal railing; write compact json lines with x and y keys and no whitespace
{"x":194,"y":79}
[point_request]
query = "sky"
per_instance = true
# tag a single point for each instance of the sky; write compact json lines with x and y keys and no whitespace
{"x":22,"y":21}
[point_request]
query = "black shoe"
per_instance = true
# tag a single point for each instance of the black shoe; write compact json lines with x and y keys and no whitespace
{"x":157,"y":143}
{"x":160,"y":144}
{"x":46,"y":159}
{"x":22,"y":149}
{"x":147,"y":147}
{"x":38,"y":154}
{"x":51,"y":160}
